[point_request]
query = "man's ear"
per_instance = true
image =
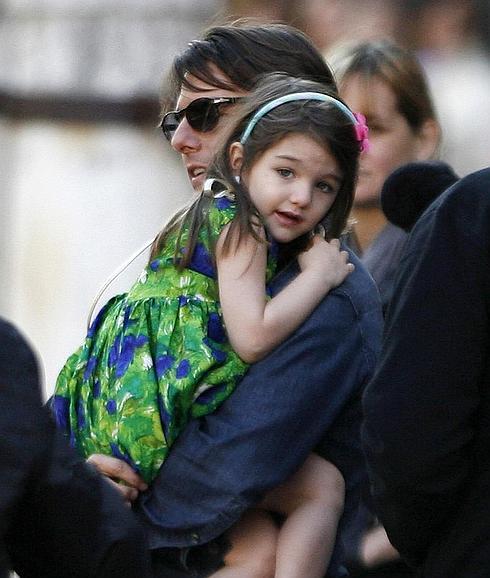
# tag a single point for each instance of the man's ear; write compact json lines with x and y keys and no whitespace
{"x":429,"y":137}
{"x":236,"y":157}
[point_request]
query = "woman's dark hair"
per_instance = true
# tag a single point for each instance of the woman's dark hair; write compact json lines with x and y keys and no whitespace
{"x":325,"y":122}
{"x":242,"y":51}
{"x":399,"y":69}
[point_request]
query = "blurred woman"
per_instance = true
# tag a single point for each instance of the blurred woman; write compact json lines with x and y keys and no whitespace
{"x":386,"y":84}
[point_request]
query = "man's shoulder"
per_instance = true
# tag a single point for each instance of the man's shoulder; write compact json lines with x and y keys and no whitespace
{"x":352,"y":313}
{"x":359,"y":287}
{"x":356,"y":296}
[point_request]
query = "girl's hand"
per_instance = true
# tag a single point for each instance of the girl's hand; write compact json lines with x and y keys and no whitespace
{"x":117,"y":471}
{"x":326,"y":261}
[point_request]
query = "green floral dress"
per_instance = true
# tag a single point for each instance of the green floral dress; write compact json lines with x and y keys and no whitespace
{"x":152,"y":359}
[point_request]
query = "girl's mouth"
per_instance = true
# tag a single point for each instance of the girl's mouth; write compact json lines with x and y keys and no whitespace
{"x":288,"y":218}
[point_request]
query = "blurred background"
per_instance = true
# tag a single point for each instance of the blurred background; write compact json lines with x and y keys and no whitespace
{"x":86,"y":177}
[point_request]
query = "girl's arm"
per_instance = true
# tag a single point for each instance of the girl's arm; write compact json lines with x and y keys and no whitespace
{"x":255,"y":325}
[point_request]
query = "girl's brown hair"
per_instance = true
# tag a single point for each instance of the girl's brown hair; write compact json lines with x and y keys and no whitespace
{"x":325,"y":122}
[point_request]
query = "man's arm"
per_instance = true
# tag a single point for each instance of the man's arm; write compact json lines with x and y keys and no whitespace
{"x":224,"y":462}
{"x":421,"y":406}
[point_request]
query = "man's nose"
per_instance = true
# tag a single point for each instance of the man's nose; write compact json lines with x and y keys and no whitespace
{"x":185,"y":138}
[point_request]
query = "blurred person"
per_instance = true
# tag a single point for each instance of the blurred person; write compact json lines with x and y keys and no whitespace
{"x":331,"y":22}
{"x":405,"y":195}
{"x":444,"y":26}
{"x":304,"y":395}
{"x":386,"y":84}
{"x":452,"y":40}
{"x":270,"y":11}
{"x":58,"y":517}
{"x":427,"y":409}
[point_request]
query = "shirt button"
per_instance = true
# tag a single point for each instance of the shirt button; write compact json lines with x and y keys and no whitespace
{"x":195,"y":538}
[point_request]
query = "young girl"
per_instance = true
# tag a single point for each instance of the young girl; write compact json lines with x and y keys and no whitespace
{"x":159,"y":355}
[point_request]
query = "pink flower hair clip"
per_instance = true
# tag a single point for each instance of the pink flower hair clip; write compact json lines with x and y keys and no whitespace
{"x":362,"y":131}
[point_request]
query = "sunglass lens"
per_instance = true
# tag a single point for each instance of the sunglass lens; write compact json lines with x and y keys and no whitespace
{"x":202,"y":114}
{"x":170,"y":124}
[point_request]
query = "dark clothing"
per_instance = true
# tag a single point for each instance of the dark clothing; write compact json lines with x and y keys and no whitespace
{"x":382,"y":259}
{"x":395,"y":569}
{"x":305,"y":394}
{"x":58,"y":517}
{"x":427,"y":410}
{"x":195,"y":561}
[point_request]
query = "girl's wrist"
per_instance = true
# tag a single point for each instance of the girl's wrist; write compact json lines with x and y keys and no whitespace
{"x":317,"y":277}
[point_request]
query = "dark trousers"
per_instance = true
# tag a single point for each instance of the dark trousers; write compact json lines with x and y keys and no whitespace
{"x":195,"y":562}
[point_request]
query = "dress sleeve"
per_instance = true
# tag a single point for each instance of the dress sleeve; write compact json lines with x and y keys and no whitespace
{"x":221,"y":212}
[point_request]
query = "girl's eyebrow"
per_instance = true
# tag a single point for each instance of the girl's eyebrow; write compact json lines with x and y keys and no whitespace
{"x":288,"y":158}
{"x":335,"y":176}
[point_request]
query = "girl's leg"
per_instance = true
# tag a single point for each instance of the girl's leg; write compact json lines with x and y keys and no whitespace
{"x":253,"y":547}
{"x":313,"y":501}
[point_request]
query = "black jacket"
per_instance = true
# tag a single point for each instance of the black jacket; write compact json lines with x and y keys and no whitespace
{"x":427,"y":410}
{"x":58,"y":517}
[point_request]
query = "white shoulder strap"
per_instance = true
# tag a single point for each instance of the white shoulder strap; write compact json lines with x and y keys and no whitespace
{"x":113,"y":277}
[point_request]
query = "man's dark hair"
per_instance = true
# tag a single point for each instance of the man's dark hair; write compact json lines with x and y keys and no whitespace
{"x":243,"y":51}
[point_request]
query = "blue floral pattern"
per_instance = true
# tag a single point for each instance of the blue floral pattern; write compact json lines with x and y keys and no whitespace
{"x":152,"y":359}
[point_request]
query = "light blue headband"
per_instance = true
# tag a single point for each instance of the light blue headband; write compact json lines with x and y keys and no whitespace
{"x":292,"y":97}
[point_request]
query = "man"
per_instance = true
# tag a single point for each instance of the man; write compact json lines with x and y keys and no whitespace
{"x":58,"y":517}
{"x":427,"y":425}
{"x":306,"y":394}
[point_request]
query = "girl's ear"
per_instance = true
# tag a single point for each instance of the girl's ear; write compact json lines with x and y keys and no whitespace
{"x":236,"y":157}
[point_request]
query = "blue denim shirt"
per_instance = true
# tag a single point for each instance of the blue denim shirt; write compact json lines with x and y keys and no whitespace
{"x":304,"y":395}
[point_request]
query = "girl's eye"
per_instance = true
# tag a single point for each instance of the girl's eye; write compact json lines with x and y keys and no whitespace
{"x":326,"y":187}
{"x":286,"y":173}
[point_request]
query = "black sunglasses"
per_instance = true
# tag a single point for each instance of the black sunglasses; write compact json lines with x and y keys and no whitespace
{"x":202,"y":114}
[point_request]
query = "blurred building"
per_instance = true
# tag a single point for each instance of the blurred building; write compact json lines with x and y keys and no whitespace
{"x":86,"y":177}
{"x":452,"y":40}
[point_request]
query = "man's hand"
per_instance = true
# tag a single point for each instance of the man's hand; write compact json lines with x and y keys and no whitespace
{"x":117,"y":471}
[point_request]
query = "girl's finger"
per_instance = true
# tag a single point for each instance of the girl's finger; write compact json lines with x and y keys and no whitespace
{"x":117,"y":470}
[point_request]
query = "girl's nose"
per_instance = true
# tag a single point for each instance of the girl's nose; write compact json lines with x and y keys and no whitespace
{"x":185,"y":139}
{"x":301,"y":195}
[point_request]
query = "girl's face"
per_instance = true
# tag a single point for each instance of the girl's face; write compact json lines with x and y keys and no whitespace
{"x":292,"y":184}
{"x":392,"y":142}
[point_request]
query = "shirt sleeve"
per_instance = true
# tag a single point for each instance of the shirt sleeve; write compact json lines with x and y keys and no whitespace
{"x":421,"y":406}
